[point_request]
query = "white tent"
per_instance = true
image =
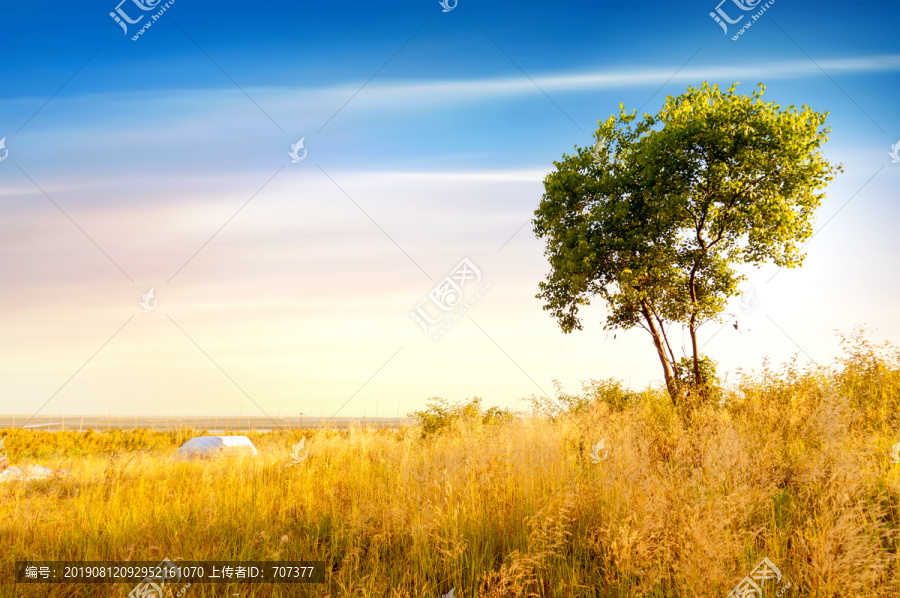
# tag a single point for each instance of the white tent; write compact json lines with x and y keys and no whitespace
{"x":207,"y":447}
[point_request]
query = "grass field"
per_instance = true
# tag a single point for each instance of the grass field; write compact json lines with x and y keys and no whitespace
{"x":794,"y":465}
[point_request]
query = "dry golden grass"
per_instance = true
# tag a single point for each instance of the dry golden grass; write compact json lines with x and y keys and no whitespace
{"x":794,"y":466}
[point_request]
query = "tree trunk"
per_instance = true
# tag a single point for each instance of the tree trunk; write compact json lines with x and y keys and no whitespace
{"x":665,"y":337}
{"x":661,"y":352}
{"x":698,"y":381}
{"x":693,"y":327}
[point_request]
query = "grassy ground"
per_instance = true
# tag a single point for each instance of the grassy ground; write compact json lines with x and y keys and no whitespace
{"x":794,"y":465}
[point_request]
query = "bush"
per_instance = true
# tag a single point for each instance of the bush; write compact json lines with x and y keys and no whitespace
{"x":441,"y":415}
{"x":710,"y":390}
{"x":609,"y":391}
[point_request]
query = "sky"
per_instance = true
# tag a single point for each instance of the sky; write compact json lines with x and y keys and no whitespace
{"x":288,"y":278}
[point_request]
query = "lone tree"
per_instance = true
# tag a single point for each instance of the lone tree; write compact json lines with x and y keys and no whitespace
{"x":654,"y":217}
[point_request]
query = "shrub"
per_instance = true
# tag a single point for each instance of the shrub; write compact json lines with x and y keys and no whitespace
{"x":609,"y":391}
{"x":440,"y":415}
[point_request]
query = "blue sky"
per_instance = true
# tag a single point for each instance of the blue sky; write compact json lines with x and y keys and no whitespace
{"x":288,"y":286}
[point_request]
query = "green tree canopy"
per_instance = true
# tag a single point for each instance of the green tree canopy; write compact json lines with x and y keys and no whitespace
{"x":655,"y":217}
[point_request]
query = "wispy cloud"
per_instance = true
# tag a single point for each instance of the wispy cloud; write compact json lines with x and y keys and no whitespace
{"x":624,"y":77}
{"x":185,"y":105}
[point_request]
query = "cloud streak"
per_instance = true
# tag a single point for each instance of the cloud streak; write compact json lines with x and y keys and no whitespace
{"x":430,"y":95}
